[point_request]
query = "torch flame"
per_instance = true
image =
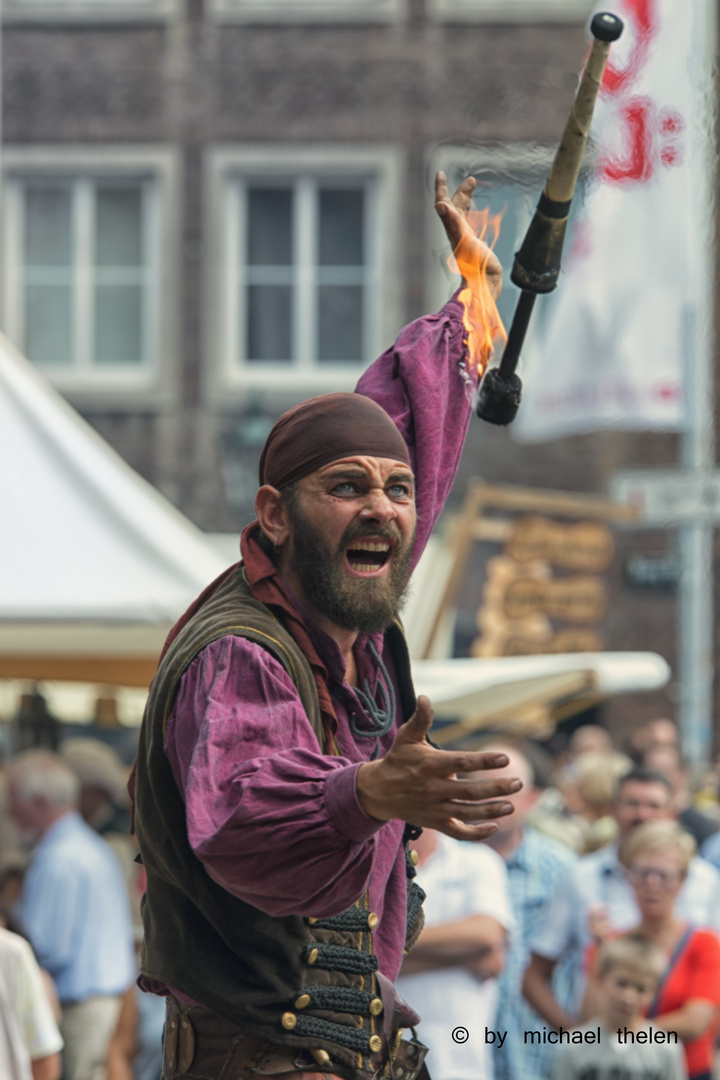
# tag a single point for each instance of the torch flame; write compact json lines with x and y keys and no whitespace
{"x":483,"y":325}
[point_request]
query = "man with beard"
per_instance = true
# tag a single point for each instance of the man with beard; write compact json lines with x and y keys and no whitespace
{"x":283,"y":750}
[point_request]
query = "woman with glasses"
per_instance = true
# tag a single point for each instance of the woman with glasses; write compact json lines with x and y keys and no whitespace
{"x":656,"y":857}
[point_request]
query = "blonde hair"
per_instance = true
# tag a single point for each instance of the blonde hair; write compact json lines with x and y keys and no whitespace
{"x":658,"y":836}
{"x":597,"y":775}
{"x":632,"y":951}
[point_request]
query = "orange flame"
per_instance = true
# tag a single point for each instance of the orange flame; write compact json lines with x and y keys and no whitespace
{"x":483,"y":325}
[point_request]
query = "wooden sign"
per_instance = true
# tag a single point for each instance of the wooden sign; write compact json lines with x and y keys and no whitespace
{"x":507,"y":642}
{"x":572,"y":599}
{"x":521,"y":597}
{"x":586,"y":546}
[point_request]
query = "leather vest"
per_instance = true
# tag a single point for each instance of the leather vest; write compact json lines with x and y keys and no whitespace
{"x":293,"y":980}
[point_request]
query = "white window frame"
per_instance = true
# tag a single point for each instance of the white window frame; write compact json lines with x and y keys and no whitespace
{"x":307,"y":11}
{"x":226,"y":169}
{"x":156,"y":379}
{"x":90,"y":11}
{"x":508,"y":11}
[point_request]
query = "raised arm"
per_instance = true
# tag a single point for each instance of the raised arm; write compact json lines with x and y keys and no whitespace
{"x":423,"y":380}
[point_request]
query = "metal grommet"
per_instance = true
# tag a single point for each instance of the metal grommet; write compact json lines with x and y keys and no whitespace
{"x":288,"y":1021}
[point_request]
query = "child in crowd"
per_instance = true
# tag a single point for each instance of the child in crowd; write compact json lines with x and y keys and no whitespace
{"x":628,"y":970}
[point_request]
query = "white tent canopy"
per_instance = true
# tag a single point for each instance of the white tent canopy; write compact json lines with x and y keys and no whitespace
{"x":475,"y":692}
{"x":93,"y":559}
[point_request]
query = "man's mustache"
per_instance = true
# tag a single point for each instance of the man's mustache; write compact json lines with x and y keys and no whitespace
{"x":358,"y":532}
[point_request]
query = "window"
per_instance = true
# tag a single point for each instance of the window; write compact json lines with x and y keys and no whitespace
{"x":306,"y":254}
{"x":509,"y":10}
{"x":102,"y":11}
{"x":83,"y":288}
{"x":308,"y":10}
{"x":509,"y":182}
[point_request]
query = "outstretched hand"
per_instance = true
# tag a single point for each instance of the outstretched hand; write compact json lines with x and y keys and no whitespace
{"x":455,"y":214}
{"x":417,"y":783}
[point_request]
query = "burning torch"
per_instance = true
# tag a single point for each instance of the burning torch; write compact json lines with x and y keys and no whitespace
{"x":537,"y":263}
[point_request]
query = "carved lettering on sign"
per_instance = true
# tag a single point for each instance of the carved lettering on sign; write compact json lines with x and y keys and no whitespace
{"x":573,"y":599}
{"x":587,"y":546}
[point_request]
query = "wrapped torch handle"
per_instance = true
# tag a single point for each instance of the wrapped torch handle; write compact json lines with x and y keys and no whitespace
{"x":537,"y":264}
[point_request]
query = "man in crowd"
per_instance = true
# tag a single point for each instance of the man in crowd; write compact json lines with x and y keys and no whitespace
{"x":451,"y":975}
{"x":30,"y":1042}
{"x":668,"y":761}
{"x":660,"y":733}
{"x":283,"y":750}
{"x":73,"y":907}
{"x":535,"y":864}
{"x":597,"y":890}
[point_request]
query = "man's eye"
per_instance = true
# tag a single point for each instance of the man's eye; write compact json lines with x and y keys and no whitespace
{"x":399,"y":491}
{"x":347,"y":487}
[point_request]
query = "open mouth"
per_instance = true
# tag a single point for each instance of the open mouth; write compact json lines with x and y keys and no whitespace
{"x":368,"y":556}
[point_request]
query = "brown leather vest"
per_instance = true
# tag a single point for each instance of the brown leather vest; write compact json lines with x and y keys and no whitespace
{"x":295,"y":981}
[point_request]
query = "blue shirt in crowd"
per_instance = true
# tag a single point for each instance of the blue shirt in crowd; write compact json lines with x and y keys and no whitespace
{"x":710,"y":850}
{"x":534,"y":870}
{"x":74,"y":908}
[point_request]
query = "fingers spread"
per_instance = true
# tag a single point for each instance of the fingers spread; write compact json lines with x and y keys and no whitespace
{"x":475,"y":789}
{"x":473,"y":812}
{"x":456,"y":829}
{"x":419,"y":723}
{"x":463,"y":196}
{"x":477,"y":761}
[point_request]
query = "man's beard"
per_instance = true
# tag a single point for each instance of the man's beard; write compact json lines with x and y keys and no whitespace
{"x":366,"y":605}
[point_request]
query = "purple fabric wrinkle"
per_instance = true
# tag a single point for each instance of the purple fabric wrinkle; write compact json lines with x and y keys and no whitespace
{"x":275,"y":821}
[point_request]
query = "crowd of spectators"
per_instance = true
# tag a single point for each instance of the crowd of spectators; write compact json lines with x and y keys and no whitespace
{"x":593,"y":911}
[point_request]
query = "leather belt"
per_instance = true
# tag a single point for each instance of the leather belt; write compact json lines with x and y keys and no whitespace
{"x":197,"y":1043}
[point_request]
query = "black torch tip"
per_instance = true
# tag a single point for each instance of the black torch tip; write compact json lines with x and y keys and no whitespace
{"x":499,"y":397}
{"x":606,"y":27}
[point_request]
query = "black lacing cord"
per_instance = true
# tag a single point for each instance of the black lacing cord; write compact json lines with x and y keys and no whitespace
{"x":351,"y":1037}
{"x":382,"y":717}
{"x":416,"y":895}
{"x":353,"y":919}
{"x":339,"y":998}
{"x":340,"y":958}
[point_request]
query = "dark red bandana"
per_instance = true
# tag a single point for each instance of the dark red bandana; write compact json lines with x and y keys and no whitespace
{"x":325,"y":429}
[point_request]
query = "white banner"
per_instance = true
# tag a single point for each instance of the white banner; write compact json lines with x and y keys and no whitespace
{"x":611,"y":353}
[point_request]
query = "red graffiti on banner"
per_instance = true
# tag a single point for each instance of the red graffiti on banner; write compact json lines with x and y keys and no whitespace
{"x":650,"y":137}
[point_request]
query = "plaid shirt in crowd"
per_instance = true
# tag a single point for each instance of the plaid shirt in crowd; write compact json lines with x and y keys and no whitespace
{"x":534,"y":870}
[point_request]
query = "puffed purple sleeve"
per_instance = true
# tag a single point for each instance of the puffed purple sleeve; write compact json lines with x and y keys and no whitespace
{"x":423,"y":383}
{"x":274,"y":821}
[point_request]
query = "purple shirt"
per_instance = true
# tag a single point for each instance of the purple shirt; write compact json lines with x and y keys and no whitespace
{"x":276,"y":822}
